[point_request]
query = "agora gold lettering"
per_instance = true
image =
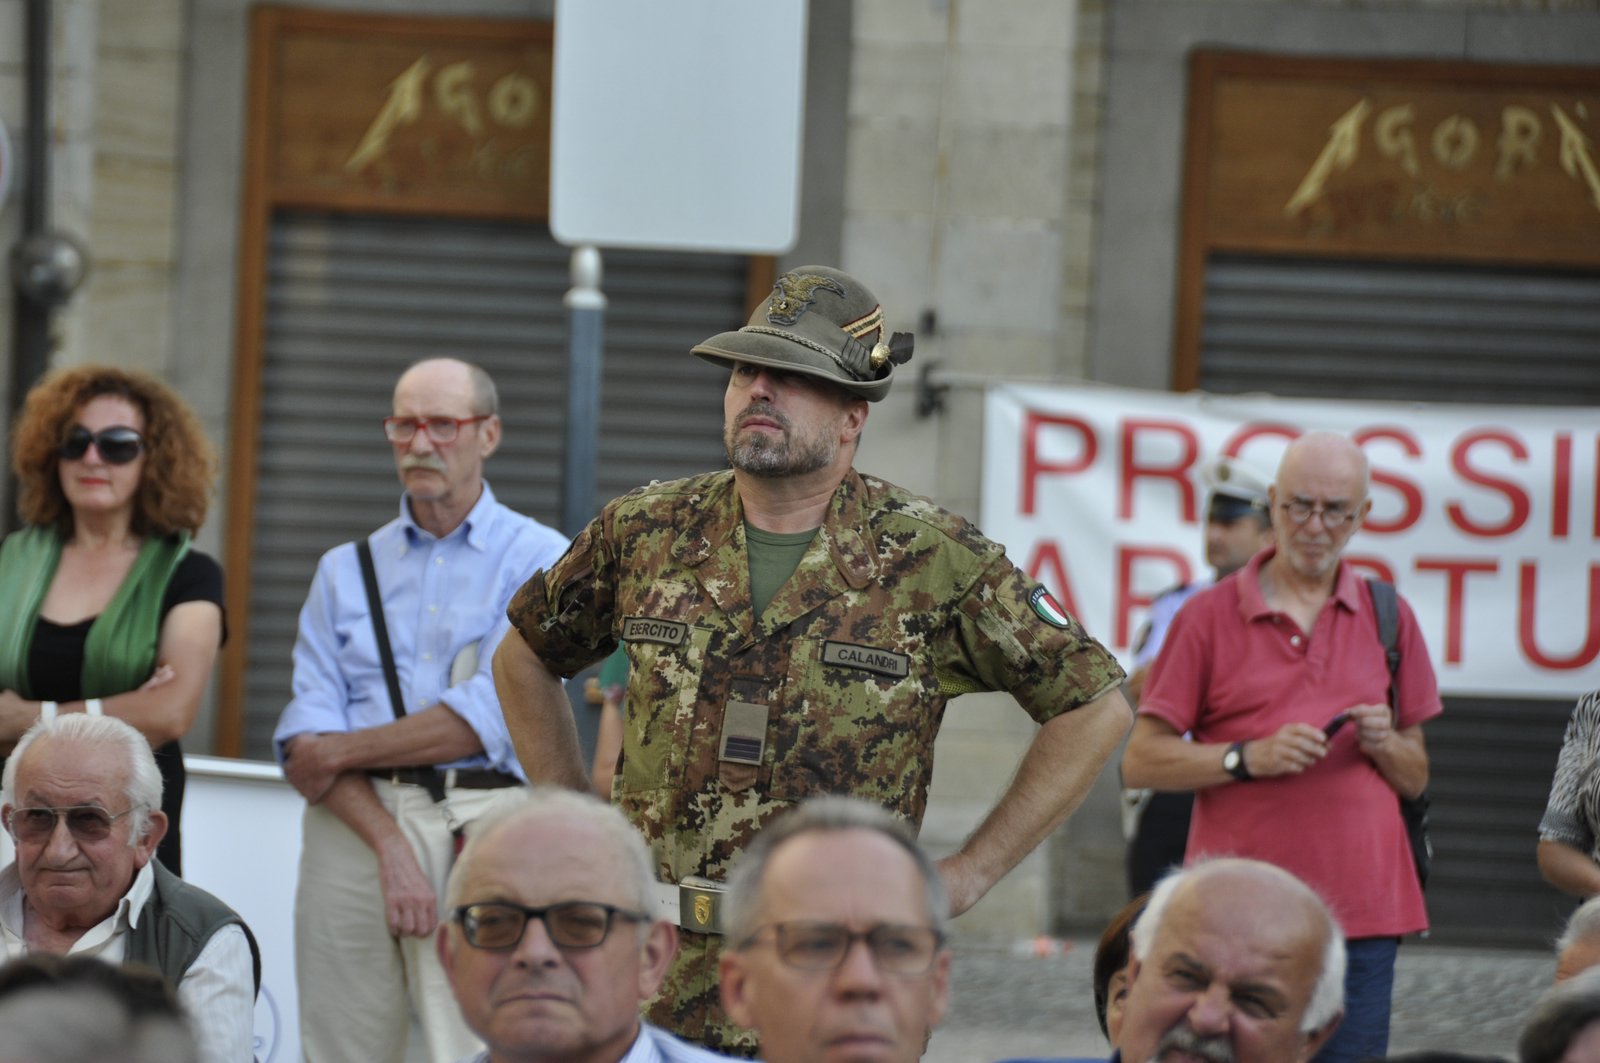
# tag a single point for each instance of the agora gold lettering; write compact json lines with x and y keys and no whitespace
{"x":1453,"y":144}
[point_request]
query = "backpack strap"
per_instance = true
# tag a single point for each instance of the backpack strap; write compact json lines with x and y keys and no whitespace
{"x":1386,"y":607}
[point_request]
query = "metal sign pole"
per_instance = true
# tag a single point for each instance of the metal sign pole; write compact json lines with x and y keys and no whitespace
{"x":586,"y":311}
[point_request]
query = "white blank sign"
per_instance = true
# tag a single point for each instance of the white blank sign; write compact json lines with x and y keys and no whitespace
{"x":678,"y":125}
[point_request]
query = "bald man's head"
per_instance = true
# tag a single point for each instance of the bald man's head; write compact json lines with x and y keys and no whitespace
{"x":1318,"y":501}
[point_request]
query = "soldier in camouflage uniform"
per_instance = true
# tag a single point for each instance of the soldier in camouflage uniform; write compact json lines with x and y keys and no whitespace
{"x":795,"y":628}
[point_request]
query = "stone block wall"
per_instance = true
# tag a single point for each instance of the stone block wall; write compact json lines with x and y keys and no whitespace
{"x":969,"y":207}
{"x":114,"y":159}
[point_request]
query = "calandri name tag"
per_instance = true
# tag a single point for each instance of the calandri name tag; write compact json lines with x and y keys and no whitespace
{"x":883,"y":662}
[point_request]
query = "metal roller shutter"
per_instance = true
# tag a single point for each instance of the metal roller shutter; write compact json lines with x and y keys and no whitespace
{"x":1440,"y":333}
{"x":1444,"y":333}
{"x":353,"y":299}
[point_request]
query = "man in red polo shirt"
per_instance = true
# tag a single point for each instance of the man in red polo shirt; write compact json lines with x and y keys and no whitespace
{"x":1261,"y":668}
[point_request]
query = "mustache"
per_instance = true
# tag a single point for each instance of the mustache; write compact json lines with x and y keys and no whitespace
{"x":766,"y":411}
{"x":431,"y":462}
{"x":1215,"y":1049}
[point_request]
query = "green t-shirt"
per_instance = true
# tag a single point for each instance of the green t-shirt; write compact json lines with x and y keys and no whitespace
{"x":773,"y":558}
{"x":614,"y":670}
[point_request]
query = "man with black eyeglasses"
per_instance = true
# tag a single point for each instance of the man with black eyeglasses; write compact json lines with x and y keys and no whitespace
{"x":82,"y":802}
{"x":550,"y":944}
{"x":1298,"y":758}
{"x":835,"y":922}
{"x":397,"y":757}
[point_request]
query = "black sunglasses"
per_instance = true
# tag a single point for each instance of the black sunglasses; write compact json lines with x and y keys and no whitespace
{"x":117,"y":446}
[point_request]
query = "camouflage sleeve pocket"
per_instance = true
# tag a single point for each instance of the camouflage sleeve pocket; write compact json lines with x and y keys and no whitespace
{"x":565,"y":626}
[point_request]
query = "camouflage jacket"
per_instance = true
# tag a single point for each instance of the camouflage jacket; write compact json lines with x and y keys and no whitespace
{"x":896,"y":606}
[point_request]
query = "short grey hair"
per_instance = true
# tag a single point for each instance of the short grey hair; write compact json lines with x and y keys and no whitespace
{"x":143,"y":787}
{"x":1564,"y":1011}
{"x":568,"y":806}
{"x":485,"y":396}
{"x":741,"y":904}
{"x":1581,"y":926}
{"x":1327,"y":998}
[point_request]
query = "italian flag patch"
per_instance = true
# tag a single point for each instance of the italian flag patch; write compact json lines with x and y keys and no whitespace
{"x":1048,"y":608}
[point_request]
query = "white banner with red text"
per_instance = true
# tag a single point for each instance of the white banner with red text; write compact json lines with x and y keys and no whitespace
{"x":1486,"y":517}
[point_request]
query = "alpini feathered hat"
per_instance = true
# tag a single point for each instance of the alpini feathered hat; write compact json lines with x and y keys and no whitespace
{"x":822,"y":322}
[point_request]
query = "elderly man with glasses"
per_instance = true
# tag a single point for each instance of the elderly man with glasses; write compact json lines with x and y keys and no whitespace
{"x":836,"y":947}
{"x":82,"y":803}
{"x":1304,"y":742}
{"x":395,"y":736}
{"x":550,"y":946}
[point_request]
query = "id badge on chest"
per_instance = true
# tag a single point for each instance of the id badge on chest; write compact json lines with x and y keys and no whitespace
{"x":744,"y":733}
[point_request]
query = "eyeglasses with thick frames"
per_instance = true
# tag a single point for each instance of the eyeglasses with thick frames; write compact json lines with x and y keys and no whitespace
{"x":1333,"y":514}
{"x":439,"y":429}
{"x":88,"y":823}
{"x":117,"y":445}
{"x":896,"y":948}
{"x":498,"y":925}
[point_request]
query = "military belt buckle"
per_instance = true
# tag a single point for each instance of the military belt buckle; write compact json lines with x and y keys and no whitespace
{"x":700,"y":904}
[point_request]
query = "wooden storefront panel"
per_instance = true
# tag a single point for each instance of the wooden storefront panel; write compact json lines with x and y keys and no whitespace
{"x":1399,"y":159}
{"x":411,"y":115}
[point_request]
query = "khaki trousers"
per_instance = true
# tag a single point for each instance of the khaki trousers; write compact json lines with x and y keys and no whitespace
{"x":359,"y":985}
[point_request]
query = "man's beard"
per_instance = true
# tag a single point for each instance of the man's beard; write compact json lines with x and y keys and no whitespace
{"x":760,"y":454}
{"x":1217,"y":1048}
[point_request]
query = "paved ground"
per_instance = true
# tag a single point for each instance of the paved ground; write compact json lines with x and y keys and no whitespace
{"x":1007,"y":1003}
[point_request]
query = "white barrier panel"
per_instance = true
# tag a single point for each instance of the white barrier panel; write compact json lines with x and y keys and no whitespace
{"x":241,"y":841}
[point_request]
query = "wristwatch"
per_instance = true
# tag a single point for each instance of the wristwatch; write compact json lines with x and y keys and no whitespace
{"x":1233,"y":762}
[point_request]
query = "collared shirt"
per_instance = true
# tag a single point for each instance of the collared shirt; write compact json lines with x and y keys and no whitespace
{"x":653,"y":1045}
{"x":1235,"y":669}
{"x":217,"y":992}
{"x":1162,"y":610}
{"x":444,"y":602}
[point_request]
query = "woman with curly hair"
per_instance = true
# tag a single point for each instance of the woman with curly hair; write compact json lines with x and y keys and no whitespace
{"x":108,"y":609}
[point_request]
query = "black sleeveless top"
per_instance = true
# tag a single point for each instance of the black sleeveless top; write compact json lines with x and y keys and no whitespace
{"x":55,"y":671}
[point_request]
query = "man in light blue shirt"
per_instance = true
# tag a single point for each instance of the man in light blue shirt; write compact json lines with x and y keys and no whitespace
{"x":390,"y":796}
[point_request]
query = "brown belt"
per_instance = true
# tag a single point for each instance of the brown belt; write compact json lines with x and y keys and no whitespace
{"x":448,"y":778}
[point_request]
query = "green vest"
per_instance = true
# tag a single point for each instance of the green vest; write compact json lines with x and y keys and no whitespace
{"x":120,"y":652}
{"x":177,"y":921}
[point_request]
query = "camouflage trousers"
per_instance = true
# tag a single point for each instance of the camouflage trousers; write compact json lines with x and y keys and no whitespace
{"x":689,"y":1003}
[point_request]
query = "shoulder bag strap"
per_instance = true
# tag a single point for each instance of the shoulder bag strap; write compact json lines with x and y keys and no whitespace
{"x":380,"y":628}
